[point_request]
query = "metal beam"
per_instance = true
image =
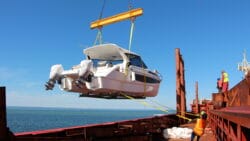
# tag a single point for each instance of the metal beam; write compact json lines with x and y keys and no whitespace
{"x":116,"y":18}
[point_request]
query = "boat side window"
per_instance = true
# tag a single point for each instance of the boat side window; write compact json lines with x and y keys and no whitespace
{"x":115,"y":62}
{"x":102,"y":63}
{"x":99,"y":62}
{"x":136,"y":61}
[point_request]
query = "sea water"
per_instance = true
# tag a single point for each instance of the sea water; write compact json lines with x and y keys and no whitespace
{"x":23,"y":119}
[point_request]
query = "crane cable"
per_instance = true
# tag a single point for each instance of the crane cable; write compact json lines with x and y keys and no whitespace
{"x":131,"y":27}
{"x":99,"y":33}
{"x":131,"y":32}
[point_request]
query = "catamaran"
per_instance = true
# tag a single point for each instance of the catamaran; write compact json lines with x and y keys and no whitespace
{"x":108,"y":71}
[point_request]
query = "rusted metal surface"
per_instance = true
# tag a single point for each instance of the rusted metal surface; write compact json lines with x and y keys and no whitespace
{"x":197,"y":109}
{"x":231,"y":120}
{"x":204,"y":106}
{"x":229,"y":112}
{"x":200,"y":105}
{"x":239,"y":95}
{"x":180,"y":84}
{"x":141,"y":129}
{"x":231,"y":124}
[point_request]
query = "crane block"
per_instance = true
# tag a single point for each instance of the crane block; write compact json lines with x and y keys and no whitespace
{"x":116,"y":18}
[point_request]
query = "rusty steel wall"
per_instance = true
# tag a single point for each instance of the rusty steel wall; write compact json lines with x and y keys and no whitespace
{"x":231,"y":124}
{"x":230,"y":121}
{"x":180,"y":84}
{"x":239,"y":95}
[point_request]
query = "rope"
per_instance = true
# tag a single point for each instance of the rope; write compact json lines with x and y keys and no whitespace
{"x":153,"y":101}
{"x":184,"y":117}
{"x":145,"y":103}
{"x":155,"y":107}
{"x":174,"y":109}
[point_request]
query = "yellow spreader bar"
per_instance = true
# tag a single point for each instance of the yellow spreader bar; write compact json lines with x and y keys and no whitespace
{"x":116,"y":18}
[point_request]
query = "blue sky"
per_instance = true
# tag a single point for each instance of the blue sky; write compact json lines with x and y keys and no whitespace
{"x":34,"y":35}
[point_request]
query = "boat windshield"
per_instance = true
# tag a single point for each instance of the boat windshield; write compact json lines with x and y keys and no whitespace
{"x":136,"y":61}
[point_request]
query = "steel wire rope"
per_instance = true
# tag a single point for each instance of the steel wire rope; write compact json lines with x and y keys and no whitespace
{"x":99,"y":37}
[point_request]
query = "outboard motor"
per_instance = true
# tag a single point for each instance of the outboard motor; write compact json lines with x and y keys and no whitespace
{"x":54,"y":76}
{"x":85,"y":72}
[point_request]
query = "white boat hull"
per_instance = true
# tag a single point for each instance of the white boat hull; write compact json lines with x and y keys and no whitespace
{"x":108,"y":86}
{"x":107,"y":78}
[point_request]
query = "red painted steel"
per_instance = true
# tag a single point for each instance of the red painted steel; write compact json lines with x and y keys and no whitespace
{"x":239,"y":95}
{"x":231,"y":124}
{"x":229,"y":112}
{"x":144,"y":128}
{"x":180,"y":84}
{"x":231,"y":120}
{"x":197,"y":109}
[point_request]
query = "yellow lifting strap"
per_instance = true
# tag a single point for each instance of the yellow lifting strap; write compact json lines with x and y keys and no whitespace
{"x":145,"y":103}
{"x":183,"y":117}
{"x":155,"y":107}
